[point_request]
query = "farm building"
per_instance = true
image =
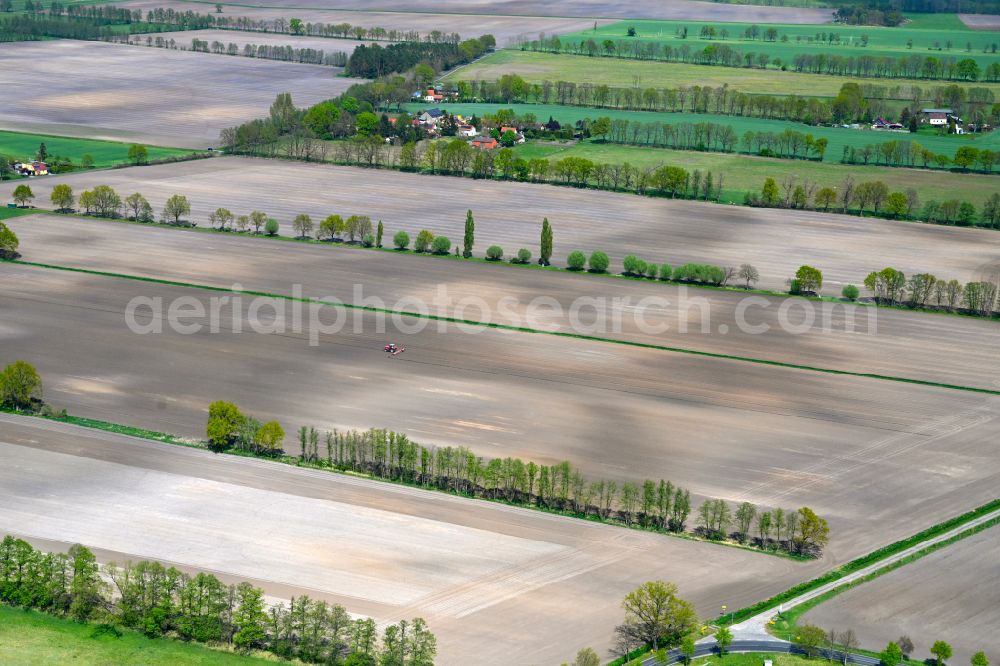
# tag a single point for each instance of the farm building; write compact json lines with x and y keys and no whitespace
{"x":32,"y":168}
{"x":484,"y":143}
{"x":937,"y":116}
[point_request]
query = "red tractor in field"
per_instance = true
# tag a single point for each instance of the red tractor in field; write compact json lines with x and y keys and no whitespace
{"x":394,"y":349}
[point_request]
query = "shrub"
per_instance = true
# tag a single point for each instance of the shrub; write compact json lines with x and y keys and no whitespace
{"x":665,"y":271}
{"x":441,"y":245}
{"x":850,"y":292}
{"x":598,"y":262}
{"x":576,"y":260}
{"x":523,"y":255}
{"x":651,"y":271}
{"x":369,"y":240}
{"x":424,"y":240}
{"x":702,"y":273}
{"x":8,"y":242}
{"x":271,"y":227}
{"x":401,"y":240}
{"x":633,"y":265}
{"x":494,"y":253}
{"x":794,"y":287}
{"x":20,"y":385}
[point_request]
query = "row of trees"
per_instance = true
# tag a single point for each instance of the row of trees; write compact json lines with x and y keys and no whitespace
{"x":104,"y":201}
{"x":892,"y":287}
{"x":285,"y":53}
{"x":373,"y":61}
{"x":654,"y":505}
{"x":162,"y":601}
{"x":912,"y":66}
{"x":856,"y":101}
{"x":912,"y":154}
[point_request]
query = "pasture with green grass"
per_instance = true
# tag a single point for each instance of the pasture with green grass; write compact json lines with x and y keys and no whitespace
{"x":837,"y":137}
{"x":30,"y":637}
{"x":536,"y":67}
{"x":21,"y":146}
{"x":920,"y":38}
{"x":743,"y":173}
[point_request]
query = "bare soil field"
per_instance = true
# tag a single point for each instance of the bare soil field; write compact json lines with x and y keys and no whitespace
{"x":949,"y":595}
{"x":506,"y":29}
{"x":240,"y":38}
{"x":845,"y":248}
{"x":675,"y":9}
{"x":497,"y":585}
{"x":880,"y":459}
{"x":981,"y":21}
{"x":170,"y":98}
{"x":938,"y":348}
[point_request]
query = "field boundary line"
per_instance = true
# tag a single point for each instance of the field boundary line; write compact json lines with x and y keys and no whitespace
{"x":517,"y":329}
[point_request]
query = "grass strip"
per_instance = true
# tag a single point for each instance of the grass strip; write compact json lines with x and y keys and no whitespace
{"x":861,"y":562}
{"x":788,"y":621}
{"x":528,"y":266}
{"x":519,"y":329}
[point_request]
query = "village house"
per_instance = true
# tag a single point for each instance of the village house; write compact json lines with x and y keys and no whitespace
{"x":519,"y":138}
{"x":31,"y":168}
{"x":484,"y":143}
{"x":938,"y":117}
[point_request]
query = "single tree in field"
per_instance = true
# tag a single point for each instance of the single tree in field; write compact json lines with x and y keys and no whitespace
{"x":270,"y":226}
{"x":770,"y":194}
{"x":23,"y":195}
{"x":941,"y":651}
{"x":62,"y":197}
{"x":587,"y":657}
{"x":657,"y":614}
{"x":810,"y":279}
{"x":20,"y":385}
{"x":87,"y":161}
{"x":748,"y":274}
{"x":224,"y":421}
{"x":424,"y":240}
{"x":401,"y":240}
{"x":258,"y":219}
{"x":723,"y":638}
{"x":42,"y":153}
{"x":813,"y":531}
{"x":295,"y":26}
{"x":825,"y":198}
{"x":140,"y":209}
{"x":378,"y":234}
{"x":688,"y":648}
{"x":176,"y":207}
{"x":249,"y":618}
{"x":222,"y":218}
{"x":302,"y":225}
{"x":848,"y":642}
{"x":138,"y":154}
{"x":891,"y":655}
{"x":269,"y":437}
{"x":470,"y":234}
{"x":546,"y":243}
{"x":8,"y":242}
{"x":810,"y":638}
{"x":906,"y":645}
{"x":979,"y":659}
{"x":745,"y":514}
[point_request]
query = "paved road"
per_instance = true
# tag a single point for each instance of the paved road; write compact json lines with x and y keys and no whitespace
{"x":773,"y":645}
{"x":752,"y":635}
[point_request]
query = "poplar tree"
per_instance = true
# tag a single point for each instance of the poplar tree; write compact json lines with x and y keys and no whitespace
{"x":470,"y":234}
{"x":546,"y":242}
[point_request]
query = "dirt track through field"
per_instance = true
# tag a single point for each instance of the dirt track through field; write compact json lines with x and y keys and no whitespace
{"x":867,"y":454}
{"x":888,"y":342}
{"x":157,"y":96}
{"x":479,"y":573}
{"x":777,"y":242}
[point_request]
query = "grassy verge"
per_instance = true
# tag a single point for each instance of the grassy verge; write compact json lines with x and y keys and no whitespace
{"x":786,"y":623}
{"x":23,"y":146}
{"x":519,"y":329}
{"x":7,"y":213}
{"x":864,"y":561}
{"x":31,"y":637}
{"x":528,"y":266}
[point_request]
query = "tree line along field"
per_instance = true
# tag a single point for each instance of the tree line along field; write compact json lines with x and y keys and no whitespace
{"x":838,"y":138}
{"x":787,"y":41}
{"x":24,"y":146}
{"x":536,"y":67}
